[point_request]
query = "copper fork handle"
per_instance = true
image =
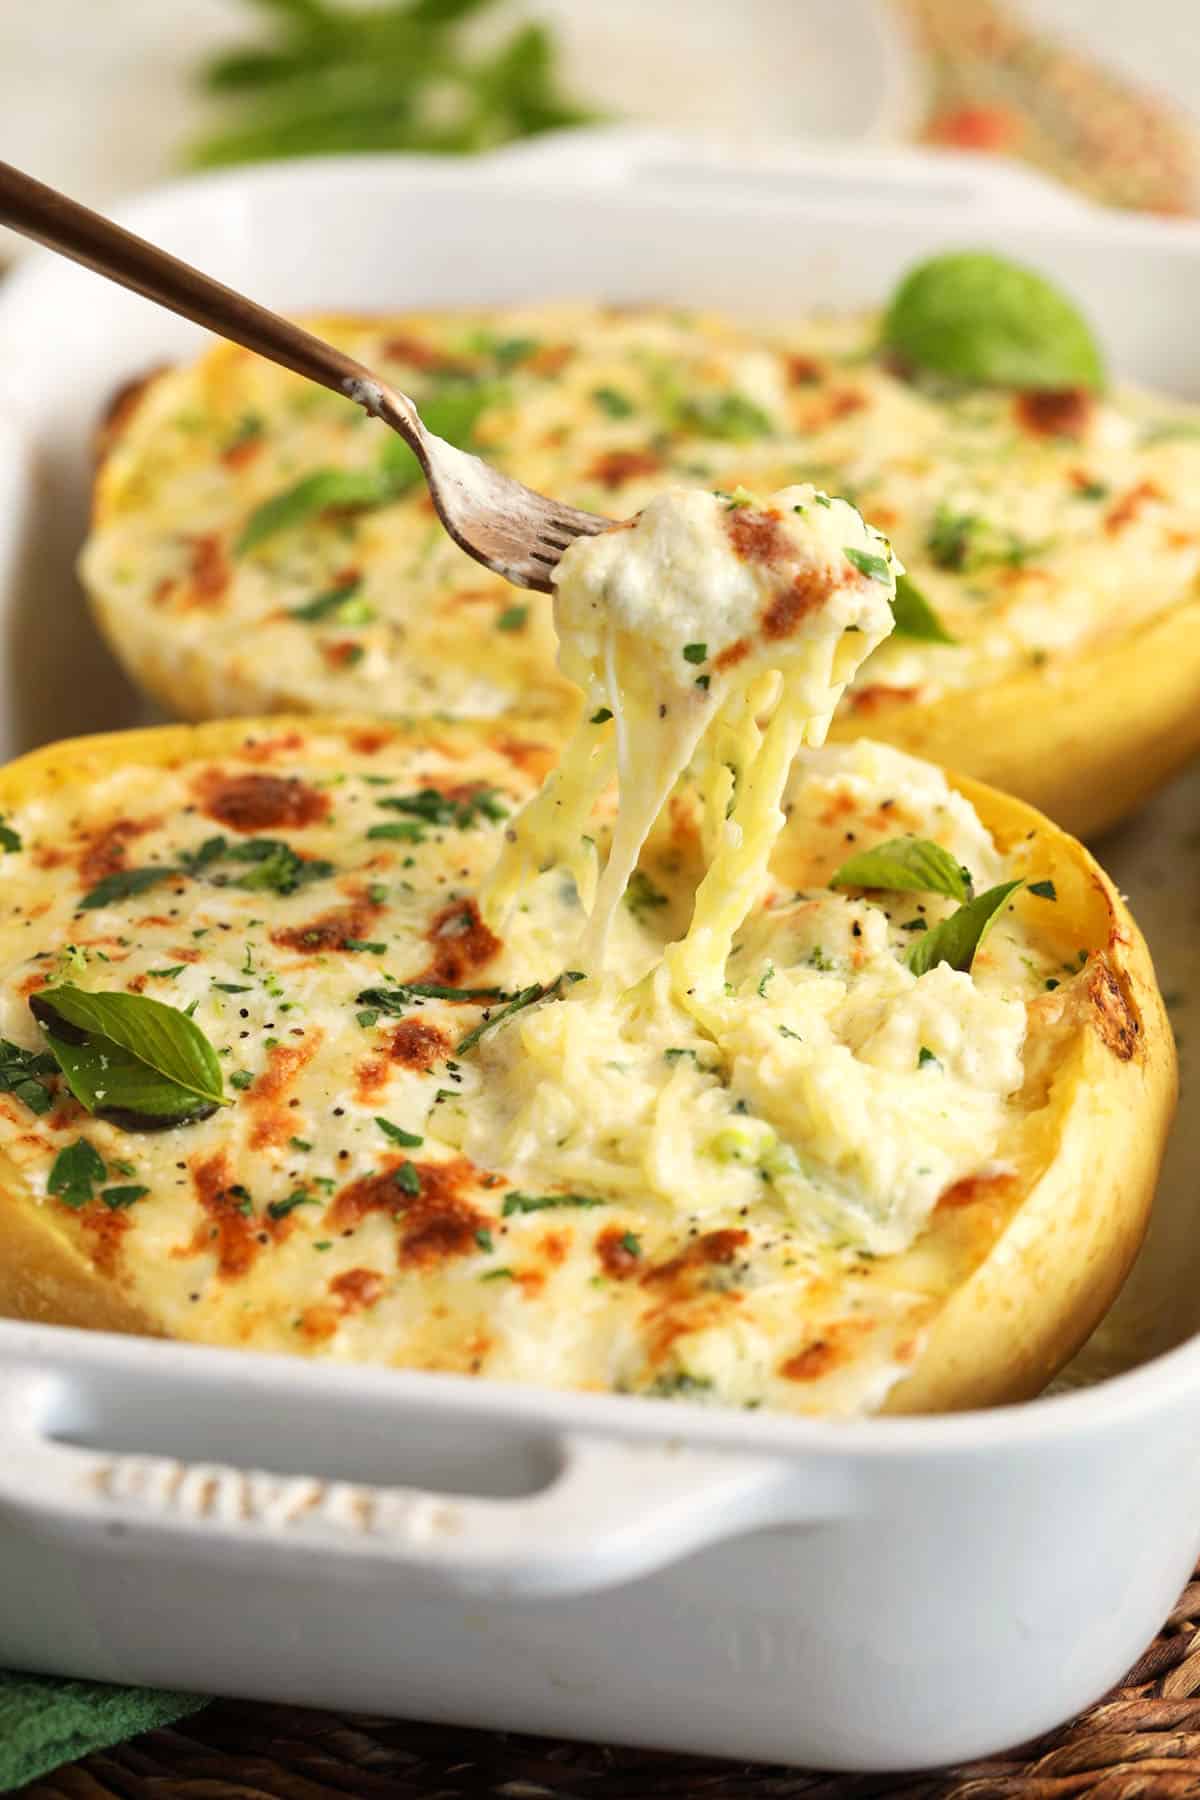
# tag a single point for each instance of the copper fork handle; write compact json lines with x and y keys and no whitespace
{"x":50,"y":218}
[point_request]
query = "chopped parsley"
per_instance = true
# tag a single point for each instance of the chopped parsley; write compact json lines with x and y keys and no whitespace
{"x":281,"y":1209}
{"x":532,"y":1203}
{"x":118,"y":1198}
{"x":75,"y":1172}
{"x":411,"y":1140}
{"x":498,"y":1275}
{"x":337,"y":605}
{"x":1045,"y":890}
{"x":631,"y":1243}
{"x":876,"y":567}
{"x":407,"y":1178}
{"x":241,"y":1078}
{"x":432,"y":807}
{"x":483,"y":1238}
{"x":167,"y":974}
{"x":641,"y":895}
{"x":675,"y":1055}
{"x":125,"y":883}
{"x":19,"y":1072}
{"x":298,"y":1143}
{"x":601,"y":716}
{"x":512,"y":618}
{"x":925,"y":1056}
{"x":612,"y":401}
{"x":695,"y":653}
{"x":9,"y":839}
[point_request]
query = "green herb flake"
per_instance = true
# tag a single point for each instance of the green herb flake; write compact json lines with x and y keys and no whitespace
{"x":925,"y":1056}
{"x":704,"y":681}
{"x":10,"y":840}
{"x":407,"y":1178}
{"x":167,"y":974}
{"x":20,"y":1071}
{"x":298,"y":1143}
{"x":117,"y":1199}
{"x":612,"y":401}
{"x":676,"y":1054}
{"x":641,"y":895}
{"x":232,"y":987}
{"x":282,"y":1209}
{"x":534,"y":1203}
{"x":631,"y":1243}
{"x":409,"y":1139}
{"x":695,"y":653}
{"x":483,"y":1238}
{"x":498,"y":1275}
{"x":337,"y":605}
{"x":125,"y":883}
{"x":601,"y":716}
{"x":876,"y":568}
{"x":75,"y":1172}
{"x":1045,"y":890}
{"x":241,"y":1079}
{"x":512,"y":618}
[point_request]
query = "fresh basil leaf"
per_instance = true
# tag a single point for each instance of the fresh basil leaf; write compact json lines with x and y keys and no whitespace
{"x":914,"y":616}
{"x":129,"y":1057}
{"x":125,"y":883}
{"x":957,"y":938}
{"x":907,"y":865}
{"x":976,"y":318}
{"x":75,"y":1173}
{"x":313,"y":494}
{"x":433,"y":807}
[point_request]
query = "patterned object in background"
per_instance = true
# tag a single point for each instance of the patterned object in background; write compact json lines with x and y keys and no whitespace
{"x":995,"y":84}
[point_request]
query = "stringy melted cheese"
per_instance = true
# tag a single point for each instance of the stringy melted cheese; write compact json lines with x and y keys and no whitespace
{"x":788,"y":1054}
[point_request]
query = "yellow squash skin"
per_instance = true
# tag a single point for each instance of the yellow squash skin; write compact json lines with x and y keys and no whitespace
{"x":1036,"y":1267}
{"x":1075,"y":606}
{"x":1086,"y":742}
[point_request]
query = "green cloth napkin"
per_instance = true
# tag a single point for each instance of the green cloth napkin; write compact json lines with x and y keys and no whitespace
{"x":45,"y":1721}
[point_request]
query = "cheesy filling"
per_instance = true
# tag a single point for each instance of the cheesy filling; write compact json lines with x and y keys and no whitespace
{"x":785,"y":1050}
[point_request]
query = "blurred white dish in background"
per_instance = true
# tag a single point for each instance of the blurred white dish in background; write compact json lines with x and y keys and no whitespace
{"x":98,"y":99}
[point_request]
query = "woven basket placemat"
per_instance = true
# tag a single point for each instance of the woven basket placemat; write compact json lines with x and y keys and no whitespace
{"x":1140,"y":1743}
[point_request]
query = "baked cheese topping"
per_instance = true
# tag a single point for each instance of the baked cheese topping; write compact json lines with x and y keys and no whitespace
{"x":433,"y":1160}
{"x":1033,"y":524}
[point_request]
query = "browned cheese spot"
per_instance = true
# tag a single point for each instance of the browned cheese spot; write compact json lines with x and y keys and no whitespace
{"x":434,"y":1224}
{"x":1065,"y":412}
{"x":461,"y":943}
{"x":252,"y":803}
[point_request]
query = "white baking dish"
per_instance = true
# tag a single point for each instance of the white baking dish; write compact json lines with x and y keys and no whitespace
{"x":875,"y":1595}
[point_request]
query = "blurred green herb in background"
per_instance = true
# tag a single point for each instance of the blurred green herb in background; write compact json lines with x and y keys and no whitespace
{"x":329,"y":77}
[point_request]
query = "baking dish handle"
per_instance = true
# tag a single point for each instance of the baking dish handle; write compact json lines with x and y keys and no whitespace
{"x":612,"y":1510}
{"x":653,"y":159}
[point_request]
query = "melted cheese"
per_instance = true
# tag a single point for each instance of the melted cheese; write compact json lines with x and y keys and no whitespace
{"x":606,"y":1195}
{"x":1035,"y":530}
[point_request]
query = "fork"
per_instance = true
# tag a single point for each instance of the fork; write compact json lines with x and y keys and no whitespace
{"x":500,"y":522}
